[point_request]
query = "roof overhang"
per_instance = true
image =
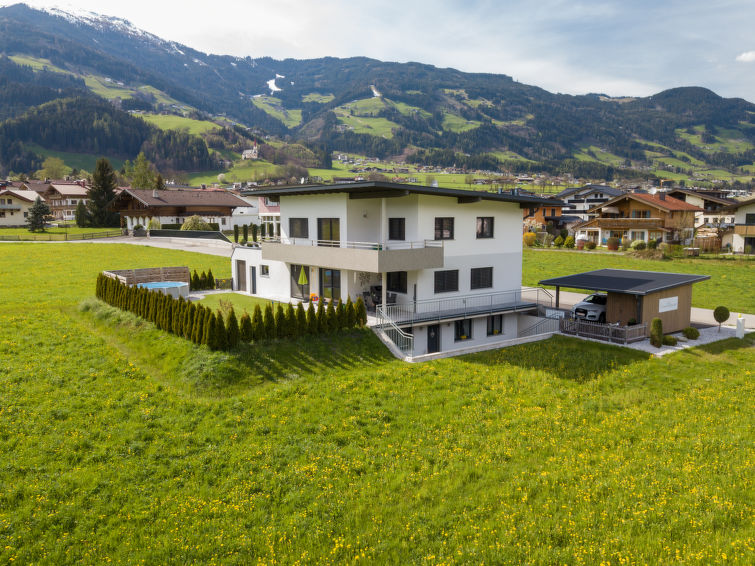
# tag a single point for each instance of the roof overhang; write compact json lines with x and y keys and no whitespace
{"x":377,"y":189}
{"x":625,"y":281}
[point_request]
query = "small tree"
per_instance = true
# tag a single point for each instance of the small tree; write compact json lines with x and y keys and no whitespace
{"x":280,"y":322}
{"x":254,"y":232}
{"x":196,"y":223}
{"x":321,"y":324}
{"x":210,"y":279}
{"x":569,"y":242}
{"x":311,"y":319}
{"x":233,"y":331}
{"x":558,"y":242}
{"x":203,"y":281}
{"x":245,"y":232}
{"x":361,"y":313}
{"x":221,"y":333}
{"x":301,"y":320}
{"x":258,"y":324}
{"x":245,"y":328}
{"x":351,"y":315}
{"x":656,"y":332}
{"x":236,"y":233}
{"x":208,"y":336}
{"x":331,"y":320}
{"x":195,"y":282}
{"x":341,"y":315}
{"x":82,"y":214}
{"x":269,"y":322}
{"x":100,"y":194}
{"x":263,"y":229}
{"x":721,"y":314}
{"x":292,"y":326}
{"x":38,"y":214}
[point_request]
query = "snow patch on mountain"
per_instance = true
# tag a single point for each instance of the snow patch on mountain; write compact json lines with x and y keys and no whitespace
{"x":272,"y":86}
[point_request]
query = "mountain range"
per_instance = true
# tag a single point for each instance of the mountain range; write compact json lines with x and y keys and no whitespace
{"x":54,"y":61}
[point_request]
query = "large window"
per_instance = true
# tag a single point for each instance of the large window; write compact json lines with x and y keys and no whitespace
{"x":463,"y":330}
{"x":484,"y":226}
{"x":495,"y":325}
{"x":397,"y":228}
{"x":482,"y":278}
{"x":397,"y":282}
{"x":298,"y":228}
{"x":328,"y":232}
{"x":750,"y":219}
{"x":330,"y":283}
{"x":300,"y":281}
{"x":444,"y":228}
{"x":447,"y":281}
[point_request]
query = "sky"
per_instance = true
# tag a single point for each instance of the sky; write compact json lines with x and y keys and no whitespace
{"x":614,"y":47}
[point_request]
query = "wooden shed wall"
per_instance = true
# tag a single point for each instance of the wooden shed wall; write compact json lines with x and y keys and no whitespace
{"x":673,"y":321}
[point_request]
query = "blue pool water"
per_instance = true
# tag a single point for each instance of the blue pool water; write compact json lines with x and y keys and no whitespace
{"x":163,"y":285}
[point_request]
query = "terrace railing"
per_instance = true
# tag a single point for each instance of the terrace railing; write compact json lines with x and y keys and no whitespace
{"x":380,"y":246}
{"x":608,"y":332}
{"x":513,"y":300}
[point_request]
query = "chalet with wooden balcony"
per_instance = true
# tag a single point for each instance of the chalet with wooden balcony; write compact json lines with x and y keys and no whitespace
{"x":63,"y":198}
{"x":639,"y":216}
{"x":174,"y":206}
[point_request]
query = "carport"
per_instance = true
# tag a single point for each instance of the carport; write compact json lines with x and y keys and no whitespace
{"x":637,"y":295}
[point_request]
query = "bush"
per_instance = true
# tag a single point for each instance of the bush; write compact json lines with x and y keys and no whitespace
{"x":529,"y":239}
{"x":245,"y":233}
{"x":258,"y":324}
{"x":331,"y":320}
{"x":311,"y":319}
{"x":236,"y":233}
{"x":721,"y":314}
{"x":203,"y":284}
{"x":195,"y":223}
{"x":194,"y":285}
{"x":558,"y":242}
{"x":590,"y":245}
{"x":301,"y":320}
{"x":269,"y":322}
{"x":669,"y":340}
{"x":233,"y":331}
{"x":691,"y":333}
{"x":360,"y":312}
{"x":569,"y":242}
{"x":656,"y":332}
{"x":638,"y":245}
{"x":245,"y":328}
{"x":652,"y":244}
{"x":210,"y":279}
{"x":351,"y":314}
{"x":254,"y":232}
{"x":625,"y":243}
{"x":154,"y":224}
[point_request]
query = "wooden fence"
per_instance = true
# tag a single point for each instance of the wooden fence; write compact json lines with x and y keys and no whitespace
{"x":150,"y":275}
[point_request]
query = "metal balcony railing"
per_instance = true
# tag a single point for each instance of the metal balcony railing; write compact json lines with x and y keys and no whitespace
{"x":380,"y":246}
{"x":514,"y":300}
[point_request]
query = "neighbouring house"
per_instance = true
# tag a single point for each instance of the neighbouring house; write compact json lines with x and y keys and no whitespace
{"x":640,"y":216}
{"x":440,"y":268}
{"x":174,"y":206}
{"x":15,"y":205}
{"x":578,"y":200}
{"x":712,"y":207}
{"x":270,"y":215}
{"x":63,"y":198}
{"x":537,"y":217}
{"x":249,"y":214}
{"x":743,"y":238}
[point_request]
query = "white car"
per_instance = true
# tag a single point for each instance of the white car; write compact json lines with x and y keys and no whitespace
{"x":592,"y":308}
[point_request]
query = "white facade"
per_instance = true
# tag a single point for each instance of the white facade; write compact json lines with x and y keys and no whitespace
{"x":743,"y":239}
{"x":14,"y":207}
{"x":420,"y":271}
{"x":245,"y":215}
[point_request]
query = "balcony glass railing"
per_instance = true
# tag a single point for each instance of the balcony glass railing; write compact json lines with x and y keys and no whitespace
{"x":357,"y":245}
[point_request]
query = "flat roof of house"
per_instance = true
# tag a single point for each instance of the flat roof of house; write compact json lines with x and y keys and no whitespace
{"x":378,"y":189}
{"x":626,"y":281}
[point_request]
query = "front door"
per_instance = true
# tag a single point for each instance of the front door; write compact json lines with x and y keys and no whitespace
{"x":433,"y":338}
{"x":241,"y":274}
{"x":253,"y":280}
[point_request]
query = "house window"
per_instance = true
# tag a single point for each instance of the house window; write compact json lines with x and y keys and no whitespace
{"x":706,"y":220}
{"x":222,"y":221}
{"x":750,"y":219}
{"x":271,"y":201}
{"x":447,"y":281}
{"x":264,"y":270}
{"x":640,"y":214}
{"x":330,"y":283}
{"x":300,"y":281}
{"x":484,"y":227}
{"x":298,"y":228}
{"x":328,"y":232}
{"x":397,"y":282}
{"x":638,"y":235}
{"x":26,"y":215}
{"x":444,"y":228}
{"x":463,"y":330}
{"x":397,"y":228}
{"x":482,"y":278}
{"x":495,"y":325}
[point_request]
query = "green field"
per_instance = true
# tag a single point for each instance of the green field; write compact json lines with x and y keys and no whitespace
{"x":729,"y":283}
{"x":274,"y":107}
{"x":455,"y":123}
{"x":317,"y":97}
{"x":248,"y":170}
{"x":174,"y":122}
{"x":53,"y":233}
{"x":122,"y":444}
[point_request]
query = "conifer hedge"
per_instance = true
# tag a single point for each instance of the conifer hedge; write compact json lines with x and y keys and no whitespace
{"x":203,"y":326}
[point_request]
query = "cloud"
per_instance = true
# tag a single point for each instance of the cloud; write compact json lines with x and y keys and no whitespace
{"x":746,"y":57}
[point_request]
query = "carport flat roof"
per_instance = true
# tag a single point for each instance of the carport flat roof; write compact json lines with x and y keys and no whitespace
{"x":626,"y":281}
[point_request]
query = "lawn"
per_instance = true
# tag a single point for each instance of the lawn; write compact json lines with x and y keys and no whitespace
{"x":119,"y":443}
{"x":174,"y":122}
{"x":730,"y":283}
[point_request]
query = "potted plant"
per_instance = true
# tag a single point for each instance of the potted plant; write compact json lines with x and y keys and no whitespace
{"x":613,"y":243}
{"x":139,"y":231}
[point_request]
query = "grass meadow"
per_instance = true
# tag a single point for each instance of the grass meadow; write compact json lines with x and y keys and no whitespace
{"x":121,"y":444}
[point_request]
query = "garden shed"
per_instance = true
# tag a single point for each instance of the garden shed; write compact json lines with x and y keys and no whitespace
{"x":637,"y":295}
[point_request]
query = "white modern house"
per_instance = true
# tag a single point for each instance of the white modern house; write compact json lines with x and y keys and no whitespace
{"x":15,"y":205}
{"x":249,"y":214}
{"x":743,"y":239}
{"x":578,"y":200}
{"x":440,"y":268}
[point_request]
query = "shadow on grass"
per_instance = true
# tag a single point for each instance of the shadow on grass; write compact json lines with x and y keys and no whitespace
{"x":563,"y":357}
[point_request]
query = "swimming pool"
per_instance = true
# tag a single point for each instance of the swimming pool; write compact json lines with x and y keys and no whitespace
{"x":173,"y":288}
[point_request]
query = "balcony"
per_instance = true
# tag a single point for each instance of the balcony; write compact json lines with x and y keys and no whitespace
{"x":371,"y":257}
{"x":746,"y":230}
{"x":435,"y":310}
{"x":627,"y":223}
